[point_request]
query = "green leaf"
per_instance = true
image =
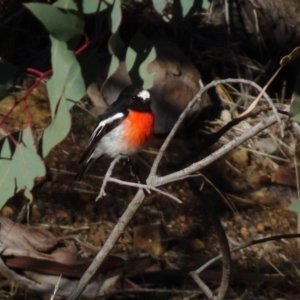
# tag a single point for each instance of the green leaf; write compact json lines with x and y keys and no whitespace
{"x":113,"y":66}
{"x":58,"y":129}
{"x":145,"y":75}
{"x":66,"y":4}
{"x":183,"y":8}
{"x":75,"y":86}
{"x":7,"y":71}
{"x":5,"y":149}
{"x":130,"y":59}
{"x":159,"y":5}
{"x":27,"y":139}
{"x":186,"y":6}
{"x":139,"y":54}
{"x":64,"y":25}
{"x":116,"y":16}
{"x":82,"y":73}
{"x":62,"y":60}
{"x":295,"y":206}
{"x":116,"y":46}
{"x":205,"y":4}
{"x":19,"y":172}
{"x":94,"y":6}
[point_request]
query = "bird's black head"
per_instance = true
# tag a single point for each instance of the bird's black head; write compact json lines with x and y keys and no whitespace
{"x":135,"y":98}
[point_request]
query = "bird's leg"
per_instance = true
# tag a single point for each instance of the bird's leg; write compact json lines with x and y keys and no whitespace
{"x":134,"y":169}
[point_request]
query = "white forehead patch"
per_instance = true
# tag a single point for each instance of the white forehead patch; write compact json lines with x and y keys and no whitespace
{"x":144,"y":95}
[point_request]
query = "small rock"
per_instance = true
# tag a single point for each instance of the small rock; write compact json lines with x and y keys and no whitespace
{"x":150,"y":238}
{"x":240,"y":157}
{"x":196,"y":245}
{"x":62,"y":214}
{"x":237,"y":218}
{"x":35,"y":212}
{"x":244,"y":232}
{"x":181,"y":218}
{"x":260,"y":227}
{"x":85,"y":197}
{"x":90,"y":206}
{"x":77,"y":224}
{"x":7,"y":211}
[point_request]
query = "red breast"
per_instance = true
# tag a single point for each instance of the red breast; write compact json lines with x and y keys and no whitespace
{"x":138,"y":127}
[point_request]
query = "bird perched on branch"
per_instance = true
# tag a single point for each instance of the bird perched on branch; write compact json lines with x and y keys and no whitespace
{"x":124,"y":128}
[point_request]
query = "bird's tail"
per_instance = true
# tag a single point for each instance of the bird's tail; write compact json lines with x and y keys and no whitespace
{"x":84,"y":168}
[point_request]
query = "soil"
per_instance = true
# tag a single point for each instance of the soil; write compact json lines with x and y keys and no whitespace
{"x":181,"y":235}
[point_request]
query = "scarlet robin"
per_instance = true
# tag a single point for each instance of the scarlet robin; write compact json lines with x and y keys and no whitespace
{"x":124,"y":128}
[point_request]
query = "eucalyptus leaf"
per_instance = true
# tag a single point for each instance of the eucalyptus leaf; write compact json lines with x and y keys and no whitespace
{"x":75,"y":86}
{"x":113,"y":66}
{"x":66,"y":4}
{"x":205,"y":4}
{"x":95,"y":6}
{"x":186,"y":6}
{"x":140,"y":53}
{"x":62,"y":24}
{"x":143,"y":70}
{"x":5,"y":151}
{"x":130,"y":58}
{"x":295,"y":206}
{"x":20,"y":171}
{"x":62,"y":60}
{"x":116,"y":46}
{"x":58,"y":129}
{"x":159,"y":5}
{"x":116,"y":16}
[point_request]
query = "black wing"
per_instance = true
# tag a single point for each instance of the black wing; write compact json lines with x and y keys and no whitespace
{"x":105,"y":126}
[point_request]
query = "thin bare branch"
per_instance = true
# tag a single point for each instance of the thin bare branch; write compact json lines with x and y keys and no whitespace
{"x":197,"y":98}
{"x":217,"y":154}
{"x":144,"y":186}
{"x":154,"y":181}
{"x":107,"y":176}
{"x":246,"y":245}
{"x":109,"y":244}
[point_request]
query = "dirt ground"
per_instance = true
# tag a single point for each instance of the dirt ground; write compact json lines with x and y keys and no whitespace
{"x":179,"y":236}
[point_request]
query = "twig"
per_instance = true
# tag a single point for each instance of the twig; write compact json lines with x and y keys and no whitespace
{"x":246,"y":245}
{"x":204,"y":287}
{"x":217,"y":154}
{"x":148,"y":290}
{"x":220,"y":232}
{"x":107,"y":176}
{"x":197,"y":98}
{"x":56,"y":288}
{"x":41,"y":76}
{"x":109,"y":244}
{"x":154,"y":181}
{"x":144,"y":186}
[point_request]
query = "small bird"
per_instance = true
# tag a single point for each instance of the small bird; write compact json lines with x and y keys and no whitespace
{"x":125,"y":127}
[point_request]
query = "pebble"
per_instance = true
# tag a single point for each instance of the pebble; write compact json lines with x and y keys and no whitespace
{"x":197,"y":245}
{"x":35,"y":212}
{"x":90,"y":207}
{"x":244,"y":232}
{"x":150,"y":238}
{"x":7,"y":211}
{"x":260,"y":227}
